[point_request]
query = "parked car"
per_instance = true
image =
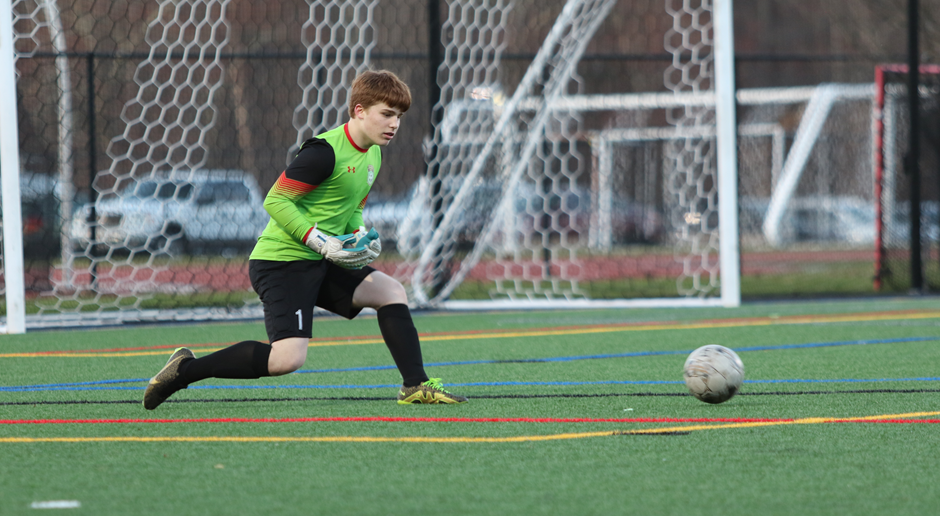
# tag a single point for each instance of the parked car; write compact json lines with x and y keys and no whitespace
{"x":833,"y":219}
{"x":40,"y":215}
{"x":387,"y":214}
{"x":411,"y":214}
{"x":545,"y":217}
{"x":215,"y":209}
{"x":535,"y":219}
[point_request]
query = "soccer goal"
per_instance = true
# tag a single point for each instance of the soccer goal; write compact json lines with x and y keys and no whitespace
{"x":550,"y":172}
{"x":893,"y":185}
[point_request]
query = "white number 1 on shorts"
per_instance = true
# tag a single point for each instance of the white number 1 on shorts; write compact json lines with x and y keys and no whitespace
{"x":300,"y":320}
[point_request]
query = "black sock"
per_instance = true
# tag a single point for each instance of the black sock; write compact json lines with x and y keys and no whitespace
{"x":247,"y":359}
{"x":401,"y":337}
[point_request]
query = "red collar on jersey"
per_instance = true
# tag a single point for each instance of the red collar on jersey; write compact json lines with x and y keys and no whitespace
{"x":349,"y":137}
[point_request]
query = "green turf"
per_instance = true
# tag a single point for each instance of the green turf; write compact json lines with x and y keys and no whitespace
{"x":832,"y":468}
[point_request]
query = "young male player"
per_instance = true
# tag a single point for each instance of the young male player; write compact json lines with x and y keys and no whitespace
{"x":315,"y":251}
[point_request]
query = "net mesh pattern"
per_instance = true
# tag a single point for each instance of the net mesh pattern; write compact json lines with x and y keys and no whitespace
{"x":559,"y":151}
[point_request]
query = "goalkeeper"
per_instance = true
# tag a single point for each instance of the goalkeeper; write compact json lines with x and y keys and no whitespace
{"x":316,"y":251}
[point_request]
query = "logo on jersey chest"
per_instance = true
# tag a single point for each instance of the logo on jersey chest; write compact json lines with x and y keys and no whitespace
{"x":370,"y":177}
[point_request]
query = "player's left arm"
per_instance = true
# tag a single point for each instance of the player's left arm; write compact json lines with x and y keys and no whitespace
{"x":356,"y":221}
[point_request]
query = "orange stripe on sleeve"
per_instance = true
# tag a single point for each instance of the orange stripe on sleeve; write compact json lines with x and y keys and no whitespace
{"x":291,"y":187}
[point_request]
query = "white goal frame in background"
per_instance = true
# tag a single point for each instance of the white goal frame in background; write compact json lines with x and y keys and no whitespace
{"x":890,"y":113}
{"x":10,"y":173}
{"x":786,"y":167}
{"x":715,"y":30}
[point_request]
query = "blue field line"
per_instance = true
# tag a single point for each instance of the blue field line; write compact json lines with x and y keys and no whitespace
{"x":627,"y":355}
{"x":99,"y":382}
{"x":668,"y":382}
{"x":470,"y":384}
{"x":79,"y":385}
{"x":63,"y":386}
{"x":852,"y":380}
{"x":505,"y":361}
{"x":36,"y":388}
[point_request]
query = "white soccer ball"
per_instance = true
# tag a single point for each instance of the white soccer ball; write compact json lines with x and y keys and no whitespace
{"x":713,"y":373}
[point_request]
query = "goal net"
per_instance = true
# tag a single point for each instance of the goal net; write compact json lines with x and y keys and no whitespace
{"x":893,"y":180}
{"x":551,"y":197}
{"x":159,"y":225}
{"x":504,"y":156}
{"x":569,"y":159}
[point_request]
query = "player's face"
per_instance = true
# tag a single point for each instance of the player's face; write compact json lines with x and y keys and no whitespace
{"x":379,"y":123}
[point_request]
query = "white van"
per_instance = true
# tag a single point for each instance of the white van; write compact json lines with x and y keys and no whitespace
{"x":180,"y":213}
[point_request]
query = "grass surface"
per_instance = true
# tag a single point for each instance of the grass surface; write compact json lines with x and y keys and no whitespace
{"x":817,"y":360}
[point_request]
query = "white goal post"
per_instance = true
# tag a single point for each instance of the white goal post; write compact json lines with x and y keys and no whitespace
{"x":726,"y":124}
{"x":12,"y":242}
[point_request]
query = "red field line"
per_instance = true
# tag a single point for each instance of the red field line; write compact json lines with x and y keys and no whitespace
{"x":807,"y":317}
{"x":934,"y":421}
{"x":382,"y":419}
{"x":388,"y":420}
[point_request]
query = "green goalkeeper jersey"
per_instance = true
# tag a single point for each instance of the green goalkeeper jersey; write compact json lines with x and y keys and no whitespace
{"x":326,"y":184}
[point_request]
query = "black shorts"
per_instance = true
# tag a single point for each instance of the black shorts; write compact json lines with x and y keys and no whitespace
{"x":289,"y":291}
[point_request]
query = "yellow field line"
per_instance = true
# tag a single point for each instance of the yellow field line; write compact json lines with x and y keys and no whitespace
{"x":513,"y":439}
{"x":802,"y":421}
{"x":337,"y":439}
{"x":824,"y":319}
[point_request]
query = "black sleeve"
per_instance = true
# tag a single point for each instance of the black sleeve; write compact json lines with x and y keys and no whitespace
{"x":313,"y":164}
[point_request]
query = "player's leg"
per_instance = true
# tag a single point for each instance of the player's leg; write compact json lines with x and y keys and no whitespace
{"x":245,"y":360}
{"x":287,"y":290}
{"x":387,"y":297}
{"x":287,"y":355}
{"x":377,"y":290}
{"x":248,"y":360}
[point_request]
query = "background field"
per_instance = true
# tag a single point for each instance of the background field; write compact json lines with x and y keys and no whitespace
{"x":335,"y":442}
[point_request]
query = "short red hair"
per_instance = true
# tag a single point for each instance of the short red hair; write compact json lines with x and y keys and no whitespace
{"x":373,"y":87}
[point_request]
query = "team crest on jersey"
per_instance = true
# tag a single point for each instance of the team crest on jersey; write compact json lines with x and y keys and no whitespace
{"x":371,"y":177}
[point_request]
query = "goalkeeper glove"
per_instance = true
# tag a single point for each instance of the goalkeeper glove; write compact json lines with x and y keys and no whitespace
{"x":369,"y":240}
{"x":352,"y":251}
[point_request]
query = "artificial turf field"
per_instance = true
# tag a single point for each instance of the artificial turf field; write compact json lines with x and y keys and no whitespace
{"x":572,"y":412}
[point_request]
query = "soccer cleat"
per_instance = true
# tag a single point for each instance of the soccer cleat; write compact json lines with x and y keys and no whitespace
{"x":165,"y":383}
{"x":430,"y":391}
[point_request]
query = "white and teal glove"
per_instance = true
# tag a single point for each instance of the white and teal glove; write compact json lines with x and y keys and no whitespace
{"x":352,"y":251}
{"x":369,"y":240}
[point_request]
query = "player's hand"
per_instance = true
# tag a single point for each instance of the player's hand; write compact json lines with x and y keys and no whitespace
{"x":370,"y":240}
{"x":347,"y":251}
{"x":362,"y":239}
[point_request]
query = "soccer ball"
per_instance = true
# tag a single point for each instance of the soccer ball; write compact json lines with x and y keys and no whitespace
{"x":713,"y":373}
